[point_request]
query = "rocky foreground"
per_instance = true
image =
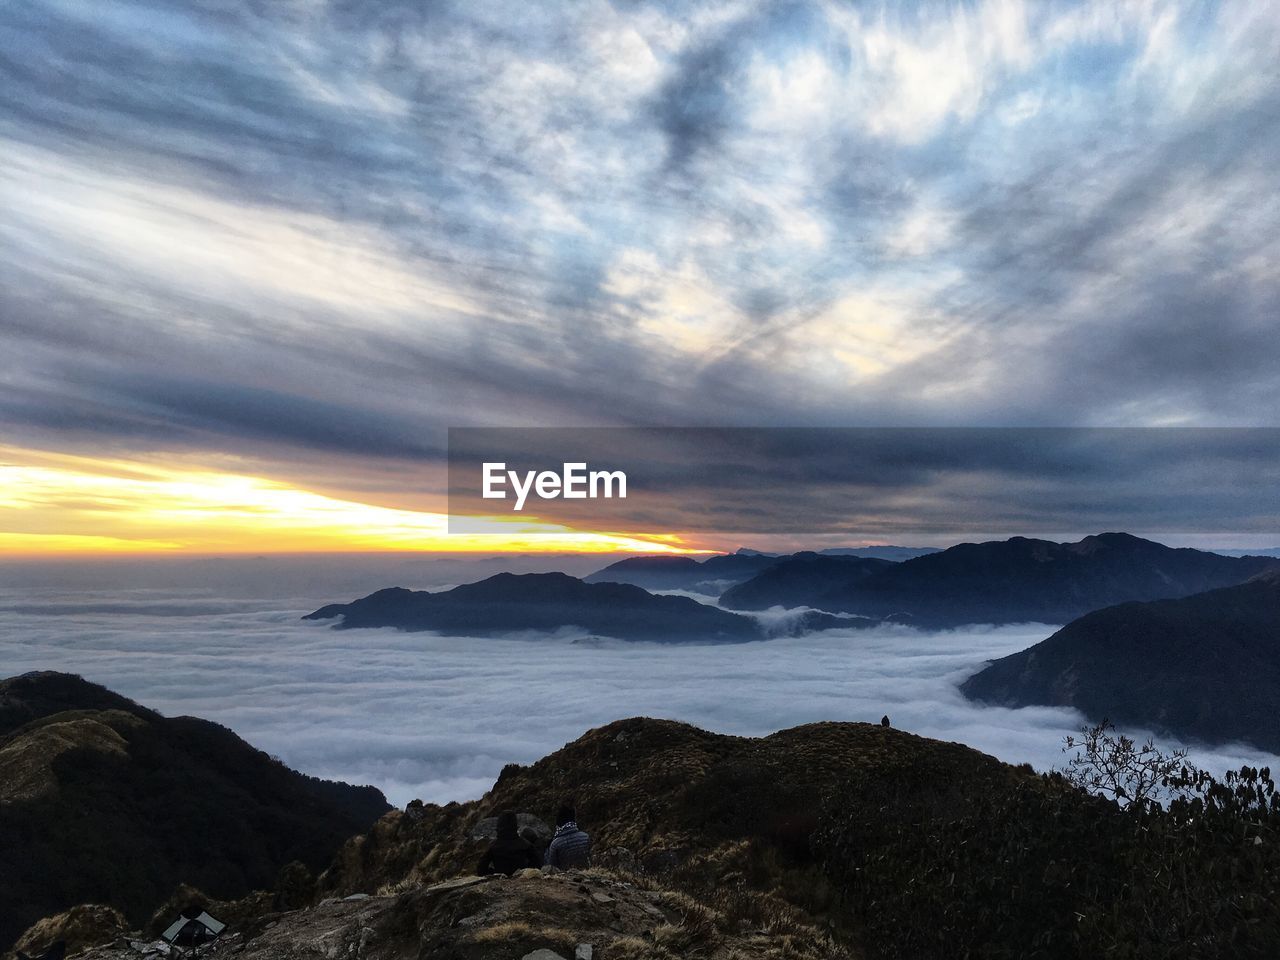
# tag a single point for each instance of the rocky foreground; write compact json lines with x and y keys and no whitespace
{"x":535,"y":915}
{"x":830,"y":840}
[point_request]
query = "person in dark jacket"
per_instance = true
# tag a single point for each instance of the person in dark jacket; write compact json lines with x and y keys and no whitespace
{"x":509,"y":851}
{"x":571,"y":846}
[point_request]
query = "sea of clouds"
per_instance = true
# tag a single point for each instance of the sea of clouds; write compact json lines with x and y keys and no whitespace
{"x":437,"y":717}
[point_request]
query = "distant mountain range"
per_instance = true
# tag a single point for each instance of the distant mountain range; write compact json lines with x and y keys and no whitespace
{"x":1005,"y":581}
{"x":714,"y":574}
{"x":799,"y":580}
{"x":105,"y":801}
{"x":896,"y":554}
{"x":1260,"y":552}
{"x":1204,"y":667}
{"x":509,"y":603}
{"x":684,"y":573}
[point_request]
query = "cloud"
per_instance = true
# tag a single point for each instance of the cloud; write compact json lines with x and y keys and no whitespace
{"x":438,"y":717}
{"x":755,"y":213}
{"x":784,"y":487}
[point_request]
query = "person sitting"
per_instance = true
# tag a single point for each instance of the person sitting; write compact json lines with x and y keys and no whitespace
{"x":571,"y":847}
{"x":509,"y":851}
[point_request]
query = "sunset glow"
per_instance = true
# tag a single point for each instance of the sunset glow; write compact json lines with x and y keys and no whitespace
{"x":54,"y":504}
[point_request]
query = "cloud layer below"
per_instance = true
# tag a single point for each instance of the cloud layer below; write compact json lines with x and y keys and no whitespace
{"x":437,"y":717}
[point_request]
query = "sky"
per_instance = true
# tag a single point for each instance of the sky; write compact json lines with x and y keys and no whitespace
{"x":256,"y":258}
{"x":436,"y":718}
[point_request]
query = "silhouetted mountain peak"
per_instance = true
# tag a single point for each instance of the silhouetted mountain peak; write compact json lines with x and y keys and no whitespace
{"x":39,"y":694}
{"x":508,"y":602}
{"x":659,"y":562}
{"x":1205,"y":666}
{"x":1004,"y":581}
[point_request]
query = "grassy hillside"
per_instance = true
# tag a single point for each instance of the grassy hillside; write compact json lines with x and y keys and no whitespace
{"x":115,"y":804}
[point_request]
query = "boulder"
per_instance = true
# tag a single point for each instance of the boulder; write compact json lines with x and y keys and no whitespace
{"x":87,"y":925}
{"x":295,"y":887}
{"x":487,"y":829}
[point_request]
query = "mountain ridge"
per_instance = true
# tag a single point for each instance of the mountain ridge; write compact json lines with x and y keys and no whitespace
{"x":511,"y":603}
{"x":1020,"y":580}
{"x":818,"y":842}
{"x":114,"y":803}
{"x":1203,"y":667}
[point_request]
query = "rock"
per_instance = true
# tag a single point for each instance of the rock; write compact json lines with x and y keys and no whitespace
{"x":355,"y":896}
{"x":87,"y":925}
{"x":457,"y":883}
{"x":150,"y":948}
{"x":233,"y":913}
{"x":549,"y":870}
{"x":615,"y":857}
{"x":487,"y":829}
{"x":415,"y":811}
{"x":489,"y":918}
{"x":295,"y":887}
{"x":528,"y":873}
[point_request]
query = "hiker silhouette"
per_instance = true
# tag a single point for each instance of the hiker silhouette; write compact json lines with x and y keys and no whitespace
{"x":509,"y":851}
{"x":571,"y":846}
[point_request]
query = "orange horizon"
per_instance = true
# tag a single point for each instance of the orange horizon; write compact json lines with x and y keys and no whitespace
{"x":65,"y":505}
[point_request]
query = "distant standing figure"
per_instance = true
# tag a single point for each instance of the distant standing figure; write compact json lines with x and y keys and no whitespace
{"x":884,"y":721}
{"x":509,"y":851}
{"x":571,"y":847}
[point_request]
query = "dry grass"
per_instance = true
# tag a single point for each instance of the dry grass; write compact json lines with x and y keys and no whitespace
{"x":636,"y":948}
{"x":555,"y":938}
{"x":397,"y":888}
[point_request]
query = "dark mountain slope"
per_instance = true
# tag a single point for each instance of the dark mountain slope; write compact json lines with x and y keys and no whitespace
{"x":801,"y":580}
{"x":684,"y":573}
{"x":1205,"y":667}
{"x":544,"y":601}
{"x":812,"y":842}
{"x":41,"y":694}
{"x":651,"y":573}
{"x":104,"y":801}
{"x":667,"y":792}
{"x":885,"y":552}
{"x":1020,"y":580}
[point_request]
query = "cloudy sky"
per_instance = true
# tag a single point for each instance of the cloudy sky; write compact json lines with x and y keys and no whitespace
{"x":256,"y":257}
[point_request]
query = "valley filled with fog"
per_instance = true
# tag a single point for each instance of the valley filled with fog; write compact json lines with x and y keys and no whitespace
{"x":437,"y":717}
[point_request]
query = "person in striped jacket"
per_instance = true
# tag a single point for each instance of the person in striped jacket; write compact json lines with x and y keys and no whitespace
{"x":571,"y":846}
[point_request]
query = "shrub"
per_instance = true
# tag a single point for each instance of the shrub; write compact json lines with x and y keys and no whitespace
{"x":1042,"y":868}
